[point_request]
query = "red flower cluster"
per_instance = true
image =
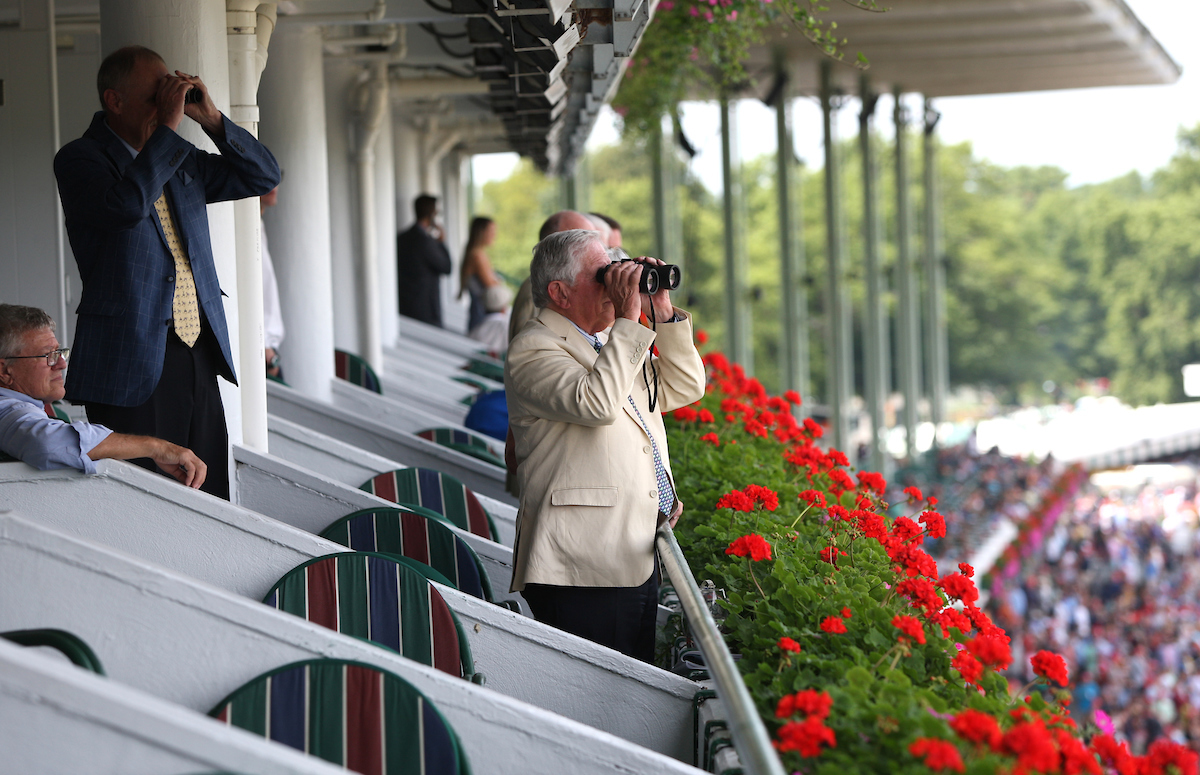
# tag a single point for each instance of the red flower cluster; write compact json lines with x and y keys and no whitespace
{"x":869,"y":480}
{"x":914,"y":494}
{"x":787,"y":644}
{"x":706,"y":416}
{"x":736,"y":500}
{"x":978,"y":727}
{"x":805,"y":737}
{"x":830,"y":555}
{"x":753,"y":545}
{"x":764,"y":497}
{"x":686,"y":414}
{"x":833,"y":625}
{"x":991,"y":649}
{"x":968,"y":666}
{"x":910,"y":626}
{"x":938,"y":754}
{"x":959,"y":587}
{"x":807,"y":702}
{"x":813,"y":498}
{"x":935,"y":524}
{"x":1050,"y":666}
{"x":701,"y":336}
{"x":711,"y":438}
{"x":966,"y":570}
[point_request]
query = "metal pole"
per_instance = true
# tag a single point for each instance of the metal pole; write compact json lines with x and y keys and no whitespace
{"x":791,"y":261}
{"x":837,"y":305}
{"x":875,"y":338}
{"x":909,"y":323}
{"x":736,"y":313}
{"x":569,"y":193}
{"x":935,"y":303}
{"x":658,"y":175}
{"x":750,"y":737}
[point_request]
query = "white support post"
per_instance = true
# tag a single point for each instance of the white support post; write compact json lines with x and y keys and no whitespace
{"x":293,"y":127}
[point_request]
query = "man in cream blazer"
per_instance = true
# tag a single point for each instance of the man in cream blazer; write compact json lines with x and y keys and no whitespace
{"x":591,"y":454}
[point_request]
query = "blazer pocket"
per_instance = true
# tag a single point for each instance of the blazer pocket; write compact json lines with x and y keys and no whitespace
{"x":103,"y":308}
{"x":584,"y":496}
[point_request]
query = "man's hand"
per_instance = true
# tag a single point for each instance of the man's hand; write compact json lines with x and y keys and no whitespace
{"x":172,"y":108}
{"x":621,"y":281}
{"x":182,"y":464}
{"x":657,"y":307}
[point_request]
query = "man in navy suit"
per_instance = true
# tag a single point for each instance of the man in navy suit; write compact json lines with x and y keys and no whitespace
{"x":151,"y":337}
{"x":421,"y":260}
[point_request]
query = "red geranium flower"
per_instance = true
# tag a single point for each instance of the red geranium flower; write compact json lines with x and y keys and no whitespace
{"x":991,"y":650}
{"x":833,"y":624}
{"x":792,"y":397}
{"x":872,"y":481}
{"x":813,"y":429}
{"x":711,"y":438}
{"x":1033,"y":746}
{"x":910,"y":626}
{"x":968,"y":666}
{"x":706,"y":416}
{"x":808,"y":702}
{"x":959,"y":587}
{"x":736,"y":500}
{"x":839,"y":512}
{"x":685,"y":414}
{"x":1050,"y":666}
{"x":830,"y":555}
{"x":914,"y":494}
{"x":935,"y":524}
{"x":977,"y":726}
{"x":764,"y":497}
{"x":813,"y":498}
{"x":753,"y":545}
{"x":787,"y":644}
{"x":966,"y":570}
{"x":806,"y":737}
{"x":701,"y":336}
{"x":938,"y":754}
{"x":846,"y":614}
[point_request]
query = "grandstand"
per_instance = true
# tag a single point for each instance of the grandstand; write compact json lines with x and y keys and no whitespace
{"x":365,"y":103}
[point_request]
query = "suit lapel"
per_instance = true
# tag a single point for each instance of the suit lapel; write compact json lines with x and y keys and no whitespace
{"x":119,"y":154}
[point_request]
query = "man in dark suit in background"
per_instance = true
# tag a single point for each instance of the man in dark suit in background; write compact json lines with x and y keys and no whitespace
{"x":151,"y":337}
{"x":421,"y":259}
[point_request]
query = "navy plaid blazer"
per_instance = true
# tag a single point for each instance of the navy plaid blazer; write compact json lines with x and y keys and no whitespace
{"x":128,"y":272}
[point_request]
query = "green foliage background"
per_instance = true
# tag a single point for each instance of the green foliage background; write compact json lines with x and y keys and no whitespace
{"x":1044,"y":282}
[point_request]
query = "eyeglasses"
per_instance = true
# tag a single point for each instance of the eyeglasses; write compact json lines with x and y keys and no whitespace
{"x":51,"y":357}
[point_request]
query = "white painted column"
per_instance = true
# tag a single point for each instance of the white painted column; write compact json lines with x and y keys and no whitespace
{"x":32,"y":266}
{"x":385,"y":223}
{"x":373,"y":109}
{"x":455,"y":220}
{"x":241,"y":21}
{"x":341,"y":78}
{"x":407,"y":155}
{"x":191,"y":38}
{"x":292,"y":101}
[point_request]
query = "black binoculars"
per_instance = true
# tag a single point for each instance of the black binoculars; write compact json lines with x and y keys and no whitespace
{"x":654,"y":277}
{"x":194,"y":96}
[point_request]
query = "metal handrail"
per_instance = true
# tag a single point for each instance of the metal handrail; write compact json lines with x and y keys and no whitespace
{"x":749,"y":735}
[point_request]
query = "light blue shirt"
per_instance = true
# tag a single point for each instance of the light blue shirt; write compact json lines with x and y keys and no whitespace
{"x":29,"y":435}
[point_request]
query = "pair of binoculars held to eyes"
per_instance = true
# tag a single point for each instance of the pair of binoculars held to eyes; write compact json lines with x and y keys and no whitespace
{"x":654,"y":277}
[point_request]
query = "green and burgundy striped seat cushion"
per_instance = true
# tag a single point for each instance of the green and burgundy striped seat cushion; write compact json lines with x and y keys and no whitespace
{"x":355,"y":370}
{"x":404,"y":533}
{"x":352,"y":714}
{"x":436,"y":491}
{"x":373,"y":597}
{"x":466,"y":442}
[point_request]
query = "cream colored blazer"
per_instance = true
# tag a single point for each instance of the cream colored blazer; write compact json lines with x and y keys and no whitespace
{"x":589,"y":500}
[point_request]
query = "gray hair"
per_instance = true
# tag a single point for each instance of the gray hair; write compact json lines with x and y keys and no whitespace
{"x":558,"y":257}
{"x":17,"y":321}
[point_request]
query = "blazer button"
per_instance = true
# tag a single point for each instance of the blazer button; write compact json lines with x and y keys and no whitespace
{"x":646,"y":449}
{"x":654,"y":493}
{"x":171,"y":279}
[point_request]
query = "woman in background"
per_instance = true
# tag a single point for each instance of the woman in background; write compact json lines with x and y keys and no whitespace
{"x":487,"y":320}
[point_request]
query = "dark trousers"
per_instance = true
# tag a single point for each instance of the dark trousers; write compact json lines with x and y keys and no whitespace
{"x":622,"y":618}
{"x":185,"y":409}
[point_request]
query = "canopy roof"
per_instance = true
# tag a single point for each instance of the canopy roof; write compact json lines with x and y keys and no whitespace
{"x":960,"y":47}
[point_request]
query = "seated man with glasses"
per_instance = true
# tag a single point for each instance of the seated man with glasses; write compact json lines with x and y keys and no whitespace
{"x":32,"y":366}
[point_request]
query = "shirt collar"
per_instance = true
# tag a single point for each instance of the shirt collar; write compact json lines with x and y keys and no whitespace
{"x":12,"y":394}
{"x":132,"y":151}
{"x":593,"y":340}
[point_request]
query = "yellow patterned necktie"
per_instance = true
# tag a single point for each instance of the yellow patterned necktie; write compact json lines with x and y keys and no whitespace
{"x":185,"y":309}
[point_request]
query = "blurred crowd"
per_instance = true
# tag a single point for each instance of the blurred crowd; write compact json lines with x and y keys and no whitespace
{"x":1115,"y":589}
{"x":975,"y":491}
